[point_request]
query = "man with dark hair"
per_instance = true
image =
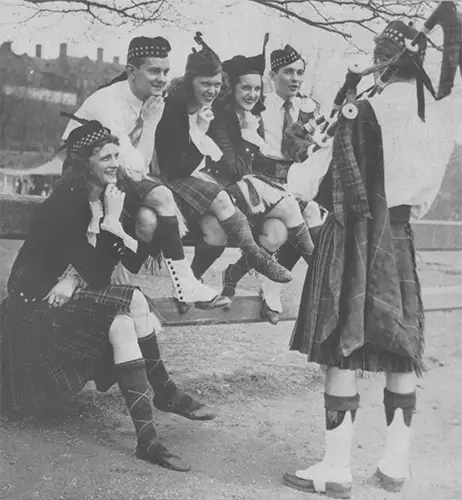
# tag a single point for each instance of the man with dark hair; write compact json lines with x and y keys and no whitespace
{"x":131,"y":106}
{"x":284,"y":108}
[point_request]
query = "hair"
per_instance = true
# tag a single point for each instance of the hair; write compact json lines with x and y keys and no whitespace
{"x":76,"y":169}
{"x":181,"y":88}
{"x":226,"y":96}
{"x":136,"y":61}
{"x":386,"y":50}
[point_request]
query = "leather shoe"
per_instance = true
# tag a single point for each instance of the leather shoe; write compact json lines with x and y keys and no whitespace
{"x":184,"y":405}
{"x":268,"y":314}
{"x":218,"y":302}
{"x":157,"y":453}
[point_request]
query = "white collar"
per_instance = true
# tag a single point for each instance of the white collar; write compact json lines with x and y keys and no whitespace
{"x":130,"y":97}
{"x":277,"y":101}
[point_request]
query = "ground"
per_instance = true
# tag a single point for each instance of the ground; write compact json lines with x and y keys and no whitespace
{"x":270,"y":419}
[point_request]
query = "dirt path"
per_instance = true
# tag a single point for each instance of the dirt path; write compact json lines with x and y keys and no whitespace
{"x":270,"y":420}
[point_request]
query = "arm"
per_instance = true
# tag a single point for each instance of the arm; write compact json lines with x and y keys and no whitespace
{"x":238,"y":153}
{"x":296,"y":141}
{"x":176,"y":153}
{"x":135,"y":160}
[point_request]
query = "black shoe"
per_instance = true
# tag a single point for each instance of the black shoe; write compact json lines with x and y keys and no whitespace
{"x":183,"y":307}
{"x":270,"y":268}
{"x":184,"y":405}
{"x":157,"y":453}
{"x":268,"y":314}
{"x":217,"y":302}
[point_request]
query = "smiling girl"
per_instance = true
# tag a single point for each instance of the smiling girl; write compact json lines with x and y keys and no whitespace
{"x":64,"y":324}
{"x":182,"y":147}
{"x":236,"y":129}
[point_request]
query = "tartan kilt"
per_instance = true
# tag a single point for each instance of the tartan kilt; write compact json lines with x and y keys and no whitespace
{"x":325,"y":299}
{"x":136,"y":191}
{"x":194,"y":195}
{"x":49,"y":354}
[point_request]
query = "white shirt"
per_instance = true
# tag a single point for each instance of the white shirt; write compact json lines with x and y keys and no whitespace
{"x":118,"y":109}
{"x":416,"y":153}
{"x":273,"y":121}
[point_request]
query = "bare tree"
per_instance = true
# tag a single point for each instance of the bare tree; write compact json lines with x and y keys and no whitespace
{"x":327,"y":15}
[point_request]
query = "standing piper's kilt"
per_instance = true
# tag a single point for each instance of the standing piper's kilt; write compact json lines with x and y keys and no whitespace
{"x":346,"y":323}
{"x":361,"y":305}
{"x":49,"y":354}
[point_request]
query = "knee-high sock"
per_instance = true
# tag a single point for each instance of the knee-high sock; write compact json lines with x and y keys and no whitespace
{"x":204,"y":256}
{"x":133,"y":383}
{"x":240,"y":234}
{"x":233,"y":274}
{"x":288,"y":256}
{"x":186,"y":287}
{"x":164,"y":388}
{"x":399,"y":409}
{"x":170,"y":239}
{"x":299,"y":237}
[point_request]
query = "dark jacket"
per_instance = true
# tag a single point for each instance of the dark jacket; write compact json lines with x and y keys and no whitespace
{"x":177,"y":155}
{"x":58,"y":237}
{"x":238,"y":154}
{"x":297,"y":139}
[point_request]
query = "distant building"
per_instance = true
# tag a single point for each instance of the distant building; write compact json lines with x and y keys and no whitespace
{"x":66,"y":80}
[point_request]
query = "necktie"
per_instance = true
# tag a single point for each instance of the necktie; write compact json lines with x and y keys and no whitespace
{"x":288,"y":121}
{"x":135,"y":134}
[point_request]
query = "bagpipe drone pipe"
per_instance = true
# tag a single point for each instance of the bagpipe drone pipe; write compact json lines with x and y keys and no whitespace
{"x":445,"y":14}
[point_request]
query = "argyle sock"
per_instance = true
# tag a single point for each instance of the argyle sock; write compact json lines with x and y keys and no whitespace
{"x":133,"y":383}
{"x":169,"y":234}
{"x":299,"y":237}
{"x":164,"y":388}
{"x":204,"y":256}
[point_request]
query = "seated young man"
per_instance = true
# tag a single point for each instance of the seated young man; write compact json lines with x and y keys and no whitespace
{"x":132,"y":106}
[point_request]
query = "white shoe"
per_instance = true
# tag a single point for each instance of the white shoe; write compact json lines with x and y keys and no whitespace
{"x":186,"y":287}
{"x":394,"y":469}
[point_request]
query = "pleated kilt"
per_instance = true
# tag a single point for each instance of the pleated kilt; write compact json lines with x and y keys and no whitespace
{"x":195,"y":194}
{"x":49,"y":354}
{"x":329,"y":314}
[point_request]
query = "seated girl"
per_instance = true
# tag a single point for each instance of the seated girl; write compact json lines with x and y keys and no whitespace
{"x":182,"y":147}
{"x":236,"y":130}
{"x":64,"y":324}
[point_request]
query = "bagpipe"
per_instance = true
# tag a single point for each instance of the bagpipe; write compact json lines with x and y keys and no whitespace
{"x":323,"y":128}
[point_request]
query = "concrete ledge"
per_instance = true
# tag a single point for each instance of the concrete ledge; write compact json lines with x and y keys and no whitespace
{"x":16,"y":213}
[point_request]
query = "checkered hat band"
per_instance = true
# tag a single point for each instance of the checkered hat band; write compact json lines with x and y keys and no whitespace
{"x":399,"y":38}
{"x":147,"y":51}
{"x":284,"y":60}
{"x":88,"y":140}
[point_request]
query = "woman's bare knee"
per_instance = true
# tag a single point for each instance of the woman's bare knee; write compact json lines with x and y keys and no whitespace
{"x":273,"y":234}
{"x":212,"y":231}
{"x":161,"y":200}
{"x":146,"y":224}
{"x":122,"y":331}
{"x":222,"y":205}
